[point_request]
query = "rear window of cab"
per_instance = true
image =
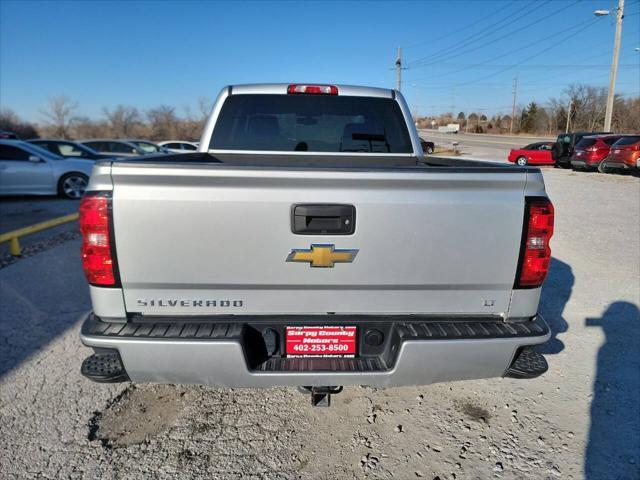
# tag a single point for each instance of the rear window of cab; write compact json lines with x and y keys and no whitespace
{"x":311,"y":123}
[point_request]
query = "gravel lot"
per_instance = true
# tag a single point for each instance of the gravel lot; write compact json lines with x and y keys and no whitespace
{"x":580,"y":420}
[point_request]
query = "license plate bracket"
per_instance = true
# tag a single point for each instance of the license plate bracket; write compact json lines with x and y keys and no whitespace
{"x":320,"y":341}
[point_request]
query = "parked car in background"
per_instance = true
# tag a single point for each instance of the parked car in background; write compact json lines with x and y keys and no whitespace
{"x":565,"y":144}
{"x":69,"y":149}
{"x":26,"y":169}
{"x":123,"y":148}
{"x":147,"y":146}
{"x":179,"y":146}
{"x":7,"y":135}
{"x":538,"y":153}
{"x":624,"y":155}
{"x":427,"y":146}
{"x":590,"y":151}
{"x":120,"y":148}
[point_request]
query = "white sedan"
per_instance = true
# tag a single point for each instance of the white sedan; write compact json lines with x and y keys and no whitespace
{"x":26,"y":169}
{"x":179,"y":146}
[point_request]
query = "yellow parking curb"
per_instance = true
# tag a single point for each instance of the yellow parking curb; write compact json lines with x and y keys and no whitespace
{"x":13,"y":236}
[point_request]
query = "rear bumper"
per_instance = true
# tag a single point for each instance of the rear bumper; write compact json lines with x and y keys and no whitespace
{"x":620,"y":165}
{"x":586,"y":164}
{"x":417,"y":351}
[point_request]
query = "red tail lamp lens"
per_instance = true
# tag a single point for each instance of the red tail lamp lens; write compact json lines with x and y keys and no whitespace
{"x":536,"y":253}
{"x":97,"y":260}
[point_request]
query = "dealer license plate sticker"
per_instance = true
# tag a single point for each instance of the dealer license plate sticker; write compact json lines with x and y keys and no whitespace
{"x":328,"y":341}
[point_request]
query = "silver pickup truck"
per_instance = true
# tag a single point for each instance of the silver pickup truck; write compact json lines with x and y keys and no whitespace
{"x":310,"y":243}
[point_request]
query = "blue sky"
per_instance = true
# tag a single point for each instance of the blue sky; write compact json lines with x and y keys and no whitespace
{"x":460,"y":54}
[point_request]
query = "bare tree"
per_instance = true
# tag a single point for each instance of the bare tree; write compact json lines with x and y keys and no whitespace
{"x":163,"y":122}
{"x":204,"y":107}
{"x":12,"y":122}
{"x":84,"y":127}
{"x":58,"y":114}
{"x":626,"y":115}
{"x":123,"y":121}
{"x":588,"y":106}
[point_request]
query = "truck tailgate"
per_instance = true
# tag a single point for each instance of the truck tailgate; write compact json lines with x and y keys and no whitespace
{"x":214,"y":239}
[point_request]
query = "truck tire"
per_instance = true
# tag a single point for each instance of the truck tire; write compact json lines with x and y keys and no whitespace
{"x":73,"y":185}
{"x":429,"y":150}
{"x":522,"y":161}
{"x":602,"y":167}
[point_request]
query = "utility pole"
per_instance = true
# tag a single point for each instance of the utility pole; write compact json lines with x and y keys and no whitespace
{"x":614,"y":67}
{"x":399,"y":69}
{"x":513,"y":108}
{"x":566,"y":130}
{"x":453,"y":101}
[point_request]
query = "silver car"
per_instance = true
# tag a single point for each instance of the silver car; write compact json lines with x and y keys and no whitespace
{"x":26,"y":169}
{"x":179,"y":146}
{"x":123,"y":147}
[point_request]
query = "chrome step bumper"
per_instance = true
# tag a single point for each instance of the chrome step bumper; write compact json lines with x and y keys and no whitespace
{"x":420,"y":351}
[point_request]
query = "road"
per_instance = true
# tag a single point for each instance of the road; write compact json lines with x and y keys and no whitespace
{"x":580,"y":420}
{"x":486,"y":147}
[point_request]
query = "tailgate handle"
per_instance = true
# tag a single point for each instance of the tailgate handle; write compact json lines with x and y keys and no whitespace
{"x":323,"y":219}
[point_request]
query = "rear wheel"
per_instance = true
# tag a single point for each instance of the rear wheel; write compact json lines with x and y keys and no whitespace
{"x":602,"y":167}
{"x":73,"y":185}
{"x":429,"y":150}
{"x":521,"y":161}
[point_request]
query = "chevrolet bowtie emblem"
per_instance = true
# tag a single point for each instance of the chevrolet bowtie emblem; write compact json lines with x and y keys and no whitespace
{"x":322,"y":256}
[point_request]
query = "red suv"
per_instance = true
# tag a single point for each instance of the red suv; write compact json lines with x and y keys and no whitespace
{"x":590,"y":151}
{"x":624,"y":155}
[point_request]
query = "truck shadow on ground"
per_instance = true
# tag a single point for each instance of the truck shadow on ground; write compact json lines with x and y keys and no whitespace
{"x":556,"y":292}
{"x":40,"y":299}
{"x":613,"y":448}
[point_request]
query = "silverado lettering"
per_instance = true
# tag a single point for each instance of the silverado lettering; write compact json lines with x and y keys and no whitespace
{"x":142,"y":302}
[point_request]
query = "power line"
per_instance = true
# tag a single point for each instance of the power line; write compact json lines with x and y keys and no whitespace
{"x":569,"y":72}
{"x":588,"y":23}
{"x":591,"y":76}
{"x":532,"y":80}
{"x":548,"y":66}
{"x":534,"y":55}
{"x":461,"y":43}
{"x":458,"y":30}
{"x":485,"y":42}
{"x":505,"y":85}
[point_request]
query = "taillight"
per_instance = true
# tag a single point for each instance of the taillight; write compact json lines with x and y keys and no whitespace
{"x":535,"y":254}
{"x":632,"y":148}
{"x":97,"y":253}
{"x":313,"y":89}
